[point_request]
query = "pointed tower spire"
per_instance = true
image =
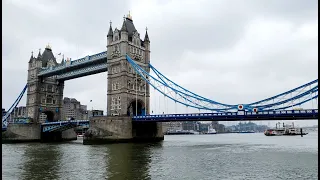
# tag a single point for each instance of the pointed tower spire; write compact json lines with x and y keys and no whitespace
{"x":110,"y":33}
{"x":31,"y":58}
{"x":39,"y":54}
{"x":146,"y":37}
{"x":62,"y":61}
{"x":124,"y":27}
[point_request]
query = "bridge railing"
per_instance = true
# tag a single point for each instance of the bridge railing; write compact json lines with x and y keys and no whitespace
{"x":58,"y":125}
{"x":74,"y":63}
{"x":239,"y":113}
{"x":64,"y":122}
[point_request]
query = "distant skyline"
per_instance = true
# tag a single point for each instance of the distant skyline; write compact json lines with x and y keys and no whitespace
{"x":228,"y":51}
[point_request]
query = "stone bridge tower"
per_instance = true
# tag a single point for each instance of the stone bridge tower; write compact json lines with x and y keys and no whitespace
{"x":44,"y":95}
{"x":128,"y":93}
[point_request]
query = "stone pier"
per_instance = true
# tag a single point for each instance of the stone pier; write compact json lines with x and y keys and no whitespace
{"x":67,"y":135}
{"x":17,"y":133}
{"x":22,"y":133}
{"x":116,"y":129}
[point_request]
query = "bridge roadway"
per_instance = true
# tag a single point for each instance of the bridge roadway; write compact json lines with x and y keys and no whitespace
{"x":233,"y":116}
{"x":228,"y":116}
{"x":88,"y":65}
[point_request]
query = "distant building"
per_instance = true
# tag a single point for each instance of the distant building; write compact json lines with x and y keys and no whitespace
{"x":18,"y":112}
{"x":95,"y":113}
{"x":72,"y":109}
{"x":171,"y":126}
{"x":190,"y":125}
{"x":203,"y":127}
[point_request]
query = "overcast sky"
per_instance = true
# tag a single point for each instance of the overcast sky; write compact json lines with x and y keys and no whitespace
{"x":231,"y":51}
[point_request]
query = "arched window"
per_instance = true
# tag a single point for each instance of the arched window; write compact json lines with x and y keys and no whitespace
{"x":49,"y":99}
{"x":50,"y":88}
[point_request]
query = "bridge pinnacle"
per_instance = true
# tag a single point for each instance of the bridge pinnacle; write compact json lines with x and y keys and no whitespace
{"x":110,"y":33}
{"x":124,"y":27}
{"x":48,"y":46}
{"x":39,"y":54}
{"x":129,"y":16}
{"x":146,"y":37}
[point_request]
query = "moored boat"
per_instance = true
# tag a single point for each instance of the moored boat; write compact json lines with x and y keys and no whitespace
{"x":285,"y":130}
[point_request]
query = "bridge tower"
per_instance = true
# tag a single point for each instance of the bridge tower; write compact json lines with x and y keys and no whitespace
{"x":44,"y":95}
{"x":128,"y":93}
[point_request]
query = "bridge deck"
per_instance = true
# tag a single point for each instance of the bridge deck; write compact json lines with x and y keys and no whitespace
{"x":233,"y":116}
{"x":81,"y":63}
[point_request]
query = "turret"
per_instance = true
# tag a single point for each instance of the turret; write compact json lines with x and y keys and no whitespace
{"x":31,"y":58}
{"x":146,"y":43}
{"x":62,"y":61}
{"x":110,"y":34}
{"x":39,"y":55}
{"x":124,"y":30}
{"x":146,"y":37}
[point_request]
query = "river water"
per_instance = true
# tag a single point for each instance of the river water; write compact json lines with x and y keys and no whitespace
{"x":200,"y":157}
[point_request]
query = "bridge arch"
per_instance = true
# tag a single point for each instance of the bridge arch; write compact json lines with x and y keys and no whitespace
{"x":50,"y":115}
{"x":136,"y":108}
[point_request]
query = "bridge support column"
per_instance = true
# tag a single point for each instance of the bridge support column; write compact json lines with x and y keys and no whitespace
{"x":69,"y":135}
{"x":116,"y":129}
{"x":22,"y":133}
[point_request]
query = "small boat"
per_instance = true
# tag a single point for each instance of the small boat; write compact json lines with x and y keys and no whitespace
{"x":79,"y":135}
{"x":178,"y":132}
{"x":245,"y":132}
{"x":211,"y":131}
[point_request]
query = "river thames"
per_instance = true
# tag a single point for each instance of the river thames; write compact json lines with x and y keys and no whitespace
{"x":200,"y":157}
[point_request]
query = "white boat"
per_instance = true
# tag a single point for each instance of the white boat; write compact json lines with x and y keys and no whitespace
{"x":211,"y":130}
{"x":285,"y":130}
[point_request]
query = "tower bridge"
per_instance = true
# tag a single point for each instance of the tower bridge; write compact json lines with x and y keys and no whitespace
{"x":130,"y":79}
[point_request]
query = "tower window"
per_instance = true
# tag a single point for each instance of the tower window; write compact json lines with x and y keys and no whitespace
{"x":49,"y":88}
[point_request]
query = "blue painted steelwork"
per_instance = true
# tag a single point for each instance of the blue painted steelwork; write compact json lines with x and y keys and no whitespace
{"x":63,"y":125}
{"x":233,"y":116}
{"x":147,"y":77}
{"x":265,"y":104}
{"x":298,"y":96}
{"x":21,"y":120}
{"x":93,"y":69}
{"x":13,"y":106}
{"x":73,"y":65}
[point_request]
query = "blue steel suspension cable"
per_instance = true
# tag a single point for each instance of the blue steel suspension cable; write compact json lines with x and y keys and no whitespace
{"x":287,"y":92}
{"x":14,"y":105}
{"x":192,"y":94}
{"x":314,"y":89}
{"x":167,"y":85}
{"x":251,"y":104}
{"x":138,"y":68}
